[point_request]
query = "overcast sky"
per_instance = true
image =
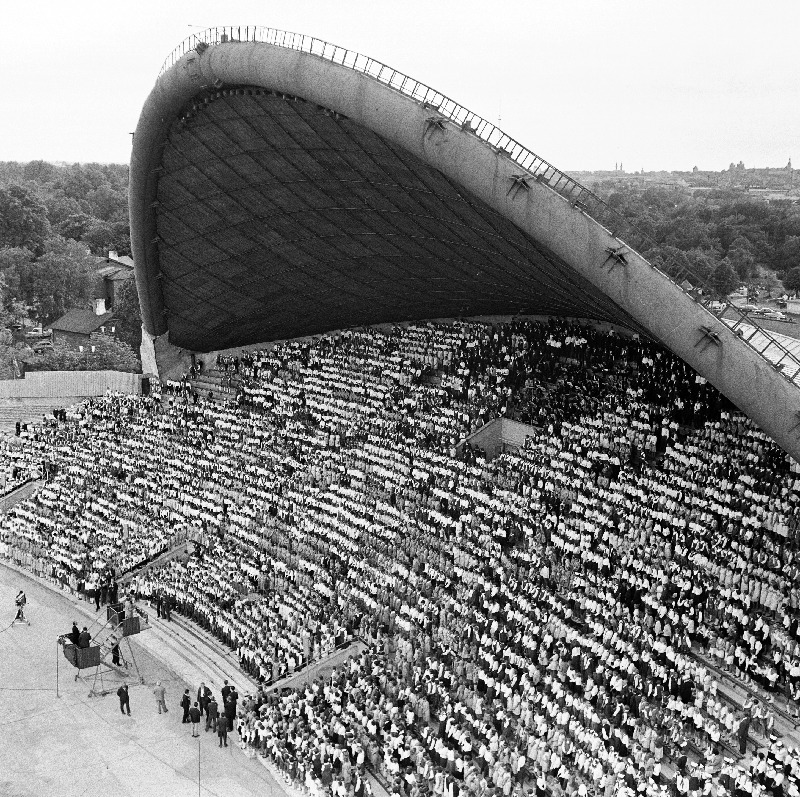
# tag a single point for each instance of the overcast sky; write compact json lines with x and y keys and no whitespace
{"x":585,"y":84}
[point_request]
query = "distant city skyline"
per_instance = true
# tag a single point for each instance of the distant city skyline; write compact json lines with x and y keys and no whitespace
{"x":619,"y":167}
{"x":585,"y":85}
{"x":584,"y":169}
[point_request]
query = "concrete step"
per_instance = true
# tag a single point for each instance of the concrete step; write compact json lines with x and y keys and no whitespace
{"x":189,"y":654}
{"x":735,"y":692}
{"x":19,"y":494}
{"x":32,"y":410}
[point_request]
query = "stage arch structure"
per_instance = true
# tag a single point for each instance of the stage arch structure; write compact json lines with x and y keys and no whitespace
{"x":282,"y":186}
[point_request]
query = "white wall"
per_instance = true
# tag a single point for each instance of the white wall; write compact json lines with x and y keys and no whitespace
{"x":38,"y":384}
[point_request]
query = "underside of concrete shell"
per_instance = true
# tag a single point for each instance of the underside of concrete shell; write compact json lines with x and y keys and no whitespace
{"x":276,"y":194}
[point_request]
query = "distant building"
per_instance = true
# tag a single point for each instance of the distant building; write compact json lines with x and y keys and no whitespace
{"x":112,"y":271}
{"x":770,"y":184}
{"x":75,"y":326}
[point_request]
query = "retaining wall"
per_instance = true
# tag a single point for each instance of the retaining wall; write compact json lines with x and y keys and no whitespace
{"x":57,"y":384}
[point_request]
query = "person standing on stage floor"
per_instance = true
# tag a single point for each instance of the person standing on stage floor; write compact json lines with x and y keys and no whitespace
{"x":226,"y":690}
{"x":194,"y":716}
{"x":222,"y":731}
{"x":84,"y":638}
{"x":161,"y":697}
{"x":124,"y":699}
{"x":203,"y":696}
{"x":166,"y":608}
{"x":741,"y":733}
{"x":212,"y":714}
{"x":115,"y":655}
{"x":230,"y":710}
{"x":233,"y":696}
{"x":186,"y":704}
{"x":158,"y":603}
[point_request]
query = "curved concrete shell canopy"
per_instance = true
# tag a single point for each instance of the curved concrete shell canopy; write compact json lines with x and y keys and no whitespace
{"x":275,"y":193}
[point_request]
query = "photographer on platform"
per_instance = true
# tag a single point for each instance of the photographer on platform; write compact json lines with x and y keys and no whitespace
{"x":20,"y":602}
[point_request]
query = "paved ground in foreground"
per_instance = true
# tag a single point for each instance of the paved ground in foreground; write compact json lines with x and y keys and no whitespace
{"x":77,"y":746}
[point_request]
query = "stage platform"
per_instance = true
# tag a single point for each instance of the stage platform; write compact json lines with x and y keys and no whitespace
{"x":74,"y":745}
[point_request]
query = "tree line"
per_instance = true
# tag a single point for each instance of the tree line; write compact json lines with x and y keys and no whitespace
{"x":54,"y":223}
{"x":724,"y":236}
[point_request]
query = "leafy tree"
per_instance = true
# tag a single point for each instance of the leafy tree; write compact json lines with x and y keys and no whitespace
{"x":12,"y":311}
{"x":127,"y":315}
{"x":14,"y":261}
{"x":770,"y":283}
{"x":791,"y":280}
{"x":724,"y":279}
{"x":76,"y":226}
{"x":740,"y":256}
{"x":61,"y":207}
{"x":103,"y":352}
{"x":49,"y":216}
{"x":686,"y":231}
{"x":757,"y":238}
{"x":13,"y":257}
{"x":670,"y":260}
{"x":108,"y":203}
{"x":11,"y":172}
{"x":23,"y":219}
{"x":789,"y":253}
{"x":59,"y":358}
{"x":11,"y":357}
{"x":78,"y":180}
{"x":703,"y":262}
{"x":112,"y":354}
{"x":62,"y":278}
{"x":102,"y":236}
{"x":39,"y":171}
{"x":743,"y":244}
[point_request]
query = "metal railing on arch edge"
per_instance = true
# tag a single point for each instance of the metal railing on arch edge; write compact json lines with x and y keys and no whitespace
{"x":774,"y":352}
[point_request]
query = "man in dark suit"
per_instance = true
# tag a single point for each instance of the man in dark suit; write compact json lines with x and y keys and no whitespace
{"x":194,"y":716}
{"x":84,"y":638}
{"x":230,"y":711}
{"x":212,"y":714}
{"x":124,"y":699}
{"x":186,"y":704}
{"x":203,"y":696}
{"x":233,"y":699}
{"x":741,"y":733}
{"x":74,"y":635}
{"x":222,"y":731}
